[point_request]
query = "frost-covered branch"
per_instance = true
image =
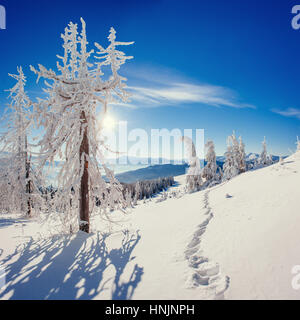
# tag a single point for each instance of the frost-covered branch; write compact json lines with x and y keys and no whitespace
{"x":69,"y":114}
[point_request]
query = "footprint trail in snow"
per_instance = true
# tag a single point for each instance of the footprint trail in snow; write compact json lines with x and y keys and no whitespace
{"x":203,"y":272}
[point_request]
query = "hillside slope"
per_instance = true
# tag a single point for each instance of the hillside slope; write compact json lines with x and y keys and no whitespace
{"x":237,"y":240}
{"x":254,"y":233}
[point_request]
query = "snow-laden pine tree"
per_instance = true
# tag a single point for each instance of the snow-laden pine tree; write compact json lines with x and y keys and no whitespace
{"x":235,"y":148}
{"x":264,"y":159}
{"x":281,"y":160}
{"x":220,"y":174}
{"x":164,"y":195}
{"x":270,"y":159}
{"x":137,"y":193}
{"x":16,"y":175}
{"x":231,"y":165}
{"x":298,"y":144}
{"x":264,"y":154}
{"x":78,"y":95}
{"x":209,"y":172}
{"x":6,"y":205}
{"x":128,"y":199}
{"x":193,"y":175}
{"x":242,"y":156}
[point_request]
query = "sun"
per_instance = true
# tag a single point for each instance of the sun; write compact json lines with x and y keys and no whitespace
{"x":109,"y":122}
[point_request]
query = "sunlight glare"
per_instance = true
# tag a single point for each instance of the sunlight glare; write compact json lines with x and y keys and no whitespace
{"x":109,"y":122}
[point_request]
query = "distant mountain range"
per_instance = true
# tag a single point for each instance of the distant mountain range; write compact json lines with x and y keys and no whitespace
{"x":152,"y":172}
{"x":125,"y":160}
{"x":166,"y":170}
{"x":250,"y":157}
{"x":147,"y":169}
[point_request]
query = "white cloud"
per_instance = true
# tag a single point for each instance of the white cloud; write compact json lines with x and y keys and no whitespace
{"x":162,"y":87}
{"x":290,"y":112}
{"x":153,"y":86}
{"x":182,"y":93}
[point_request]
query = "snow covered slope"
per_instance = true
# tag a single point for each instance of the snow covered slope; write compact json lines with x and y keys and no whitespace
{"x":149,"y":261}
{"x":254,"y":234}
{"x":238,"y":240}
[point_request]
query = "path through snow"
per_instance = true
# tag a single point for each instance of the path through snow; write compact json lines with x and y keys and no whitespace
{"x":204,"y":272}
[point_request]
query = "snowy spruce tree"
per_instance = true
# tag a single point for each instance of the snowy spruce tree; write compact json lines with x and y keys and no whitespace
{"x":209,"y":172}
{"x":16,"y":178}
{"x":298,"y":144}
{"x":193,"y":175}
{"x":128,"y":199}
{"x":79,"y":93}
{"x":137,"y":193}
{"x":242,"y":156}
{"x":264,"y":159}
{"x":264,"y":155}
{"x":231,"y":165}
{"x":235,"y":148}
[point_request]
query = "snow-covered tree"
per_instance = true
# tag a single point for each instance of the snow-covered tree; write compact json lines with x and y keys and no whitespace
{"x":137,"y":194}
{"x":220,"y":174}
{"x":164,"y":195}
{"x":231,"y":165}
{"x":298,"y":144}
{"x":128,"y":199}
{"x":146,"y":188}
{"x":209,"y":172}
{"x":6,"y":205}
{"x":264,"y":154}
{"x":281,"y":160}
{"x":270,"y":159}
{"x":78,"y":95}
{"x":193,"y":175}
{"x":242,"y":156}
{"x":16,"y":174}
{"x":235,"y":148}
{"x":264,"y":159}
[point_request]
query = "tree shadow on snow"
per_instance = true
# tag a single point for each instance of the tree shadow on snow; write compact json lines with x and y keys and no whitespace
{"x":6,"y":222}
{"x":72,"y":267}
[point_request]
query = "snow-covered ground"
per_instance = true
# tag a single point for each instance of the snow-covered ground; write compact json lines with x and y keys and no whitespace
{"x":254,"y":234}
{"x":238,"y":240}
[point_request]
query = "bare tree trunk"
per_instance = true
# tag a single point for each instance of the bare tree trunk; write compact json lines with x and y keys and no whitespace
{"x":27,"y":175}
{"x":84,"y":185}
{"x":28,"y":187}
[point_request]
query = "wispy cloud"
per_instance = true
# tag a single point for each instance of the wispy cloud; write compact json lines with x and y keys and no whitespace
{"x":184,"y":93}
{"x":164,"y":89}
{"x":290,"y":112}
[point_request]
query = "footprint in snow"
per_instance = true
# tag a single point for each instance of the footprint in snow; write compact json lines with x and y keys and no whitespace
{"x":202,"y":271}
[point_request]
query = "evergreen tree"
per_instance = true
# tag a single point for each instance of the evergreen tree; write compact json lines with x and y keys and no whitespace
{"x":17,"y":175}
{"x":210,"y":169}
{"x":69,"y":116}
{"x":242,"y":156}
{"x":231,"y":165}
{"x":235,"y":150}
{"x":193,"y":175}
{"x":128,"y":199}
{"x":264,"y":159}
{"x":298,"y":144}
{"x":137,"y":193}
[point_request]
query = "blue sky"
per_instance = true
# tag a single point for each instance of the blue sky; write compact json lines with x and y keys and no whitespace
{"x":217,"y":65}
